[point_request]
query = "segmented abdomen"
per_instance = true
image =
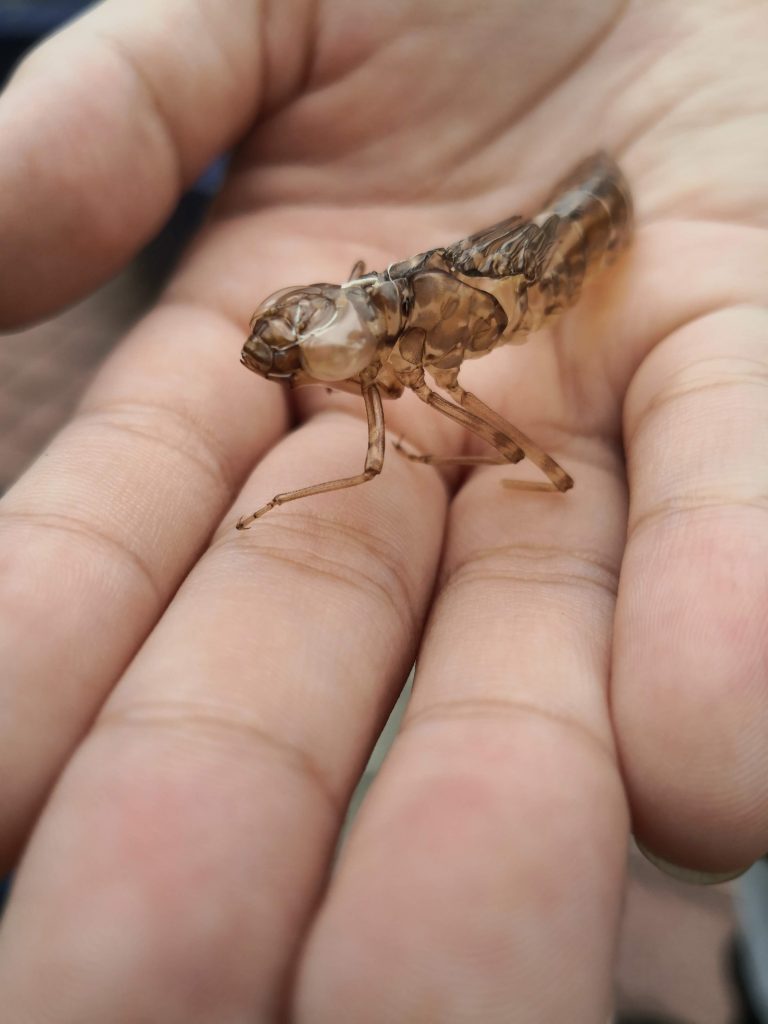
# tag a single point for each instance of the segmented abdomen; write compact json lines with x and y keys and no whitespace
{"x":536,"y":268}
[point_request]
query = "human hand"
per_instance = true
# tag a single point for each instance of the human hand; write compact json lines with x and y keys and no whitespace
{"x":178,"y":871}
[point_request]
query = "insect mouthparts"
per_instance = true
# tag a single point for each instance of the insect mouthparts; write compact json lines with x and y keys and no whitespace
{"x":257,"y":355}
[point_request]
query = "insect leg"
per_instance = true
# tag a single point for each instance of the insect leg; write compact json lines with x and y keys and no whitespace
{"x":358,"y":269}
{"x":374,"y":461}
{"x":414,"y":379}
{"x":449,"y":460}
{"x":448,"y":379}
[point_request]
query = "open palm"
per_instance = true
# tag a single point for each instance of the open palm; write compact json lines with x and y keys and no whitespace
{"x":203,"y":707}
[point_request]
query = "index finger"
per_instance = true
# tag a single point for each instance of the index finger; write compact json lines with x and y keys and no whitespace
{"x":107,"y":121}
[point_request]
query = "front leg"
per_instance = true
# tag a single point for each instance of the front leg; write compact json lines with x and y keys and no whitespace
{"x":374,"y":461}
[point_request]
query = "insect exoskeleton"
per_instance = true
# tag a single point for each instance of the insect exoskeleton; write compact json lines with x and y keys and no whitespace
{"x":327,"y":331}
{"x":413,"y":325}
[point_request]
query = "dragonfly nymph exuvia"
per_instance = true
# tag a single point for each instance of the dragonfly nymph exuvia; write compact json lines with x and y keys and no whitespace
{"x":413,"y":324}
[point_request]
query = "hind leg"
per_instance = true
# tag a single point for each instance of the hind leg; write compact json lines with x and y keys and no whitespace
{"x":413,"y":378}
{"x":559,"y":479}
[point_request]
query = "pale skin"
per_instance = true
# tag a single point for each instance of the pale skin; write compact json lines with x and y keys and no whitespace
{"x":200,"y":701}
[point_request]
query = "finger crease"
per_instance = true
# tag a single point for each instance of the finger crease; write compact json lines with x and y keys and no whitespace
{"x":371,"y":547}
{"x":201,"y":722}
{"x":145,"y":420}
{"x":494,"y":708}
{"x":89,"y":532}
{"x":308,"y":561}
{"x":691,"y":504}
{"x":539,"y":565}
{"x":671,"y":395}
{"x":716,"y":310}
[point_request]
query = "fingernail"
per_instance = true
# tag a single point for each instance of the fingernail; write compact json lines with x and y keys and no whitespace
{"x":689,"y":875}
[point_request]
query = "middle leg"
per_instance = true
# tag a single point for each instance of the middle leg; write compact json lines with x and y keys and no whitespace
{"x":374,"y":461}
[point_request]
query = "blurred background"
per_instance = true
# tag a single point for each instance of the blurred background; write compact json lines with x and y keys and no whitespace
{"x":676,"y":960}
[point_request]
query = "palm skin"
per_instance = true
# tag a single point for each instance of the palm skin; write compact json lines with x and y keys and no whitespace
{"x":586,"y":664}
